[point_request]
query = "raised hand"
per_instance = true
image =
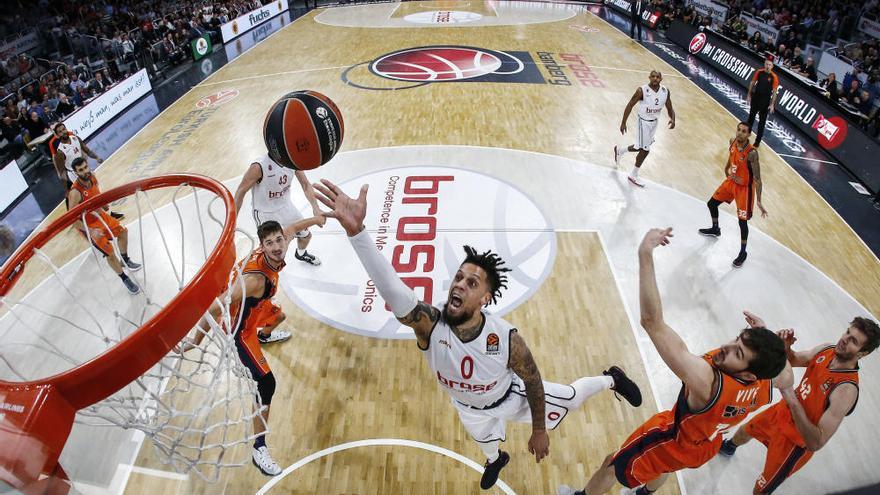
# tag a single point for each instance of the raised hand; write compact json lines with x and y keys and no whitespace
{"x":656,"y":237}
{"x":754,"y":320}
{"x":787,"y":336}
{"x":349,"y":212}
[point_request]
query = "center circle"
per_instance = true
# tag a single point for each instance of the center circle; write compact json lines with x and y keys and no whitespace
{"x":420,"y":218}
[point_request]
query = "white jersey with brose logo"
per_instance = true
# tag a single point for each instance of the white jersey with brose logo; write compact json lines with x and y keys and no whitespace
{"x":652,"y":102}
{"x":71,"y":150}
{"x":271,"y":192}
{"x":474,"y":373}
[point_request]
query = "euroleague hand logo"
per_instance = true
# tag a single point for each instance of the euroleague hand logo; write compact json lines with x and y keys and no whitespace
{"x":697,"y":42}
{"x":832,"y":131}
{"x":217,"y":99}
{"x":419,"y":219}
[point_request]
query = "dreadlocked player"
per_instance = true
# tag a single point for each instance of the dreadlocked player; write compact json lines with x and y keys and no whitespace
{"x":478,"y":358}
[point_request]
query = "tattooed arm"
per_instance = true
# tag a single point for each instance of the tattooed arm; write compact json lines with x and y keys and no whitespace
{"x":523,"y":364}
{"x":422,"y":319}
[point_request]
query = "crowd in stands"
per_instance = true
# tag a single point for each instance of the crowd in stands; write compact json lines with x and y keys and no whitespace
{"x":799,"y":23}
{"x":124,"y":36}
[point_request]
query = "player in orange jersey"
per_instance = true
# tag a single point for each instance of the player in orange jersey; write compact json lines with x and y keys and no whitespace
{"x":742,"y":185}
{"x":719,"y":389}
{"x":103,"y":229}
{"x":252,"y":308}
{"x":807,"y":417}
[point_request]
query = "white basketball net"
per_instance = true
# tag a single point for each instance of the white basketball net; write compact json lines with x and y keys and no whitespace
{"x":196,"y":408}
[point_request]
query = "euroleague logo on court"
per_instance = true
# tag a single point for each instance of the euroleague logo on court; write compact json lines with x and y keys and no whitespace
{"x":217,"y":99}
{"x":697,"y":42}
{"x":420,"y":218}
{"x":444,"y":63}
{"x":418,"y":66}
{"x":443,"y":17}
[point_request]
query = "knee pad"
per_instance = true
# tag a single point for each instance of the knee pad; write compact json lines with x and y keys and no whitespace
{"x":266,"y":388}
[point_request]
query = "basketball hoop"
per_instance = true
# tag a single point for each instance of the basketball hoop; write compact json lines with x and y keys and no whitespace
{"x":194,"y":408}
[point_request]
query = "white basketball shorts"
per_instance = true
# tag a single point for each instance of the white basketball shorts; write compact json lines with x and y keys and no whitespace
{"x":286,"y":216}
{"x":645,"y":133}
{"x":486,"y":425}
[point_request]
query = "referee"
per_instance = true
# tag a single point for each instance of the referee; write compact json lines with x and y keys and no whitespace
{"x":762,"y":96}
{"x":635,"y":11}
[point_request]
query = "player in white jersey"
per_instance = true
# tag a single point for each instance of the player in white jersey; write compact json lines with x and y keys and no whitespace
{"x":651,"y":97}
{"x":478,"y":358}
{"x":66,"y":147}
{"x":269,"y":184}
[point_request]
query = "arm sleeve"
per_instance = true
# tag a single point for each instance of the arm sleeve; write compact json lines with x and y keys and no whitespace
{"x":400,"y":298}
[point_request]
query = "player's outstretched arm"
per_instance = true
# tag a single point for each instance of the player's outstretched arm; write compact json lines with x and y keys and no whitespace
{"x":253,"y":175}
{"x":523,"y":364}
{"x":292,"y":229}
{"x":695,"y":372}
{"x":308,"y":190}
{"x":840,"y":402}
{"x":401,"y":299}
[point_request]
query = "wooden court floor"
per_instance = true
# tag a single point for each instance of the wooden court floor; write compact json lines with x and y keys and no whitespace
{"x":335,"y":387}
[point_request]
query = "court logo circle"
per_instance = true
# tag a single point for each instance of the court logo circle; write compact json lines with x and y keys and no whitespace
{"x":420,"y":218}
{"x":217,"y":99}
{"x":441,"y":63}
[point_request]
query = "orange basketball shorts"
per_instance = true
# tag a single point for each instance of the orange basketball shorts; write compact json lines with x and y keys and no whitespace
{"x":110,"y":229}
{"x":729,"y":191}
{"x":784,"y":456}
{"x":655,"y":448}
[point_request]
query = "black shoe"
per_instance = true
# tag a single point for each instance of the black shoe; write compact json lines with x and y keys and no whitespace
{"x":131,"y":265}
{"x":131,"y":285}
{"x":307,"y":257}
{"x":728,"y":448}
{"x":711,"y":232}
{"x":624,"y":386}
{"x":118,"y":216}
{"x":491,"y":471}
{"x":738,"y":262}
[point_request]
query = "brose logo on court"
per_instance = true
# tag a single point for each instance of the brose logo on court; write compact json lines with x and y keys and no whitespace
{"x":420,"y":218}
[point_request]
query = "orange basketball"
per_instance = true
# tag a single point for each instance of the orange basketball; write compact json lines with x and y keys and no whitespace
{"x":303,"y":130}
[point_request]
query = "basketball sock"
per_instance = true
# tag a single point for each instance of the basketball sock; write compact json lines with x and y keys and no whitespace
{"x":714,"y":223}
{"x":123,"y":276}
{"x":260,"y":441}
{"x":742,"y":248}
{"x":299,"y":252}
{"x":490,"y":449}
{"x":634,"y":172}
{"x":589,"y":386}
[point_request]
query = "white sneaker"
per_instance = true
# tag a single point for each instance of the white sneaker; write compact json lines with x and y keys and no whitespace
{"x":636,"y":181}
{"x":264,"y":462}
{"x":275,"y":336}
{"x":629,"y":491}
{"x":565,"y":489}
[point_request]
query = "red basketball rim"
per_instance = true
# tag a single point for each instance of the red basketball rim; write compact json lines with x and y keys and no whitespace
{"x":105,"y":374}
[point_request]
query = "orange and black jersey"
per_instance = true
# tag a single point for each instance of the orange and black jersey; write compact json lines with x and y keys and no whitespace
{"x":257,"y":263}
